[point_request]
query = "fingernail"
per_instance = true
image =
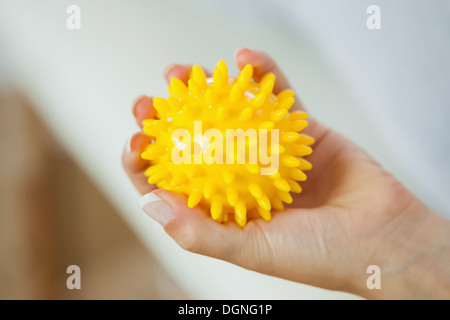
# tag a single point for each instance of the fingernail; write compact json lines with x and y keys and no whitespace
{"x":167,"y":69}
{"x":156,"y":208}
{"x":128,"y":145}
{"x":238,"y":50}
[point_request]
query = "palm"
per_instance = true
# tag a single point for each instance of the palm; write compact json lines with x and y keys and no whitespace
{"x":343,"y":201}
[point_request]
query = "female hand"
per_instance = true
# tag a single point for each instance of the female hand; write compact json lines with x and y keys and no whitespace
{"x":352,"y":214}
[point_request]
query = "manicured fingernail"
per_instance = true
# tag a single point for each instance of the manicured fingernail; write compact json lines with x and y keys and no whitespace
{"x":128,"y":145}
{"x":156,"y":208}
{"x":167,"y":69}
{"x":239,"y":50}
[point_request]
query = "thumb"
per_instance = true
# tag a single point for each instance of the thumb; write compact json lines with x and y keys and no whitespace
{"x":192,"y":229}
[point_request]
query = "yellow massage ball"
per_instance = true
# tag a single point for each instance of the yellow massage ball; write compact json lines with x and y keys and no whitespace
{"x":229,"y":144}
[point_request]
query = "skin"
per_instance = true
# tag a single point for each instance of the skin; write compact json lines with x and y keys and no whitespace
{"x":351,"y":214}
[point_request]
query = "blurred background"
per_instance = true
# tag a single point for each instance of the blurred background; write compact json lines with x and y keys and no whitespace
{"x":65,"y":114}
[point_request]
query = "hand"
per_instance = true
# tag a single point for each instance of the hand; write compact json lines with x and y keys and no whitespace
{"x":351,"y":214}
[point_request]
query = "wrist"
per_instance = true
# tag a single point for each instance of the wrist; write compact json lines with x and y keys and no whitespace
{"x":413,"y":254}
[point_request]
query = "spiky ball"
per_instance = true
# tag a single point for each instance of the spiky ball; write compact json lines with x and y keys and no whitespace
{"x":230,"y":188}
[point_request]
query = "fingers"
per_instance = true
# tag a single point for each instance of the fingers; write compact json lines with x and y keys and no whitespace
{"x":134,"y":165}
{"x":261,"y":61}
{"x":143,"y":105}
{"x":262,"y":64}
{"x":143,"y":109}
{"x":192,"y":229}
